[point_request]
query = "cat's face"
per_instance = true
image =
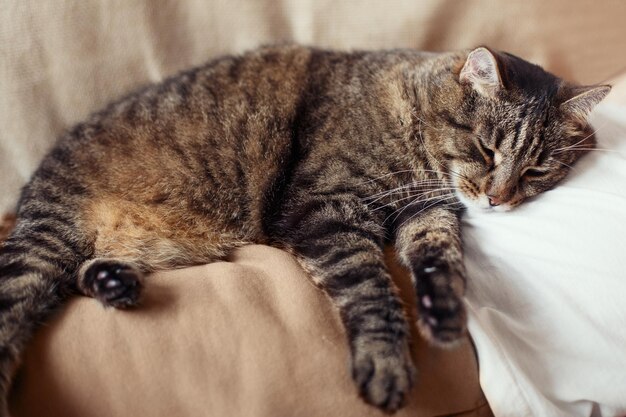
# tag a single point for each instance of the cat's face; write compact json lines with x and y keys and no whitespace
{"x":521,"y":139}
{"x":507,"y":158}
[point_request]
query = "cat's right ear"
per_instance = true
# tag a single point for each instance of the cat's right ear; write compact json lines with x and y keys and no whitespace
{"x":481,"y":72}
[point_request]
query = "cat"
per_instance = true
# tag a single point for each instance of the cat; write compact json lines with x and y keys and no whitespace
{"x":327,"y":154}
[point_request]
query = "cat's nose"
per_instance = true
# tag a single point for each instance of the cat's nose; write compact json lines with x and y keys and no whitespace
{"x":494,"y":201}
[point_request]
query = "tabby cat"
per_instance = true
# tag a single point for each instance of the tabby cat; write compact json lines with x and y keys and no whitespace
{"x":329,"y":155}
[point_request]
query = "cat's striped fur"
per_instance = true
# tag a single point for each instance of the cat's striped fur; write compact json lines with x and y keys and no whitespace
{"x":329,"y":155}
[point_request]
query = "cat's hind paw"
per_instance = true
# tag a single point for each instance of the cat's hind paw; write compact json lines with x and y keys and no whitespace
{"x":113,"y":283}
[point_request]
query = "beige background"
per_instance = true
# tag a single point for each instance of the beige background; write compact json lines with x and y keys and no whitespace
{"x":62,"y":59}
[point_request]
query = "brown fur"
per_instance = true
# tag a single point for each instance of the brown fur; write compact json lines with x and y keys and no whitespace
{"x":6,"y":226}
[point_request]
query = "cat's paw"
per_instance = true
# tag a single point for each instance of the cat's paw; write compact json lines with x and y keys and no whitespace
{"x":114,"y":283}
{"x":441,"y":314}
{"x":384,"y":376}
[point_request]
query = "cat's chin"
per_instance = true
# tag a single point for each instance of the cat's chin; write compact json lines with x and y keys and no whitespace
{"x":502,"y":208}
{"x":474,"y":204}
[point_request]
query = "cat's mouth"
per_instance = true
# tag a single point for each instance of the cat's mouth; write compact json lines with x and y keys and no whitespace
{"x":473,"y":198}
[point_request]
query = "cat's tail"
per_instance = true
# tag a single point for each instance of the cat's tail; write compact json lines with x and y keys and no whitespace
{"x":37,"y":264}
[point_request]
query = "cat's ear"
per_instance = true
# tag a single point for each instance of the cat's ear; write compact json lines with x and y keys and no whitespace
{"x":582,"y":100}
{"x":481,"y":71}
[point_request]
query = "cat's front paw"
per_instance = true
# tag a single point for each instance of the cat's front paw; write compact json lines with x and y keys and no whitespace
{"x":384,"y":375}
{"x":441,"y":314}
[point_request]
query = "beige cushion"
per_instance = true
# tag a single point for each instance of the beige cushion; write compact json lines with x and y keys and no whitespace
{"x":250,"y":337}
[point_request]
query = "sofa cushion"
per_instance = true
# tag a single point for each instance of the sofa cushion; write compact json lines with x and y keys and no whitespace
{"x":248,"y":337}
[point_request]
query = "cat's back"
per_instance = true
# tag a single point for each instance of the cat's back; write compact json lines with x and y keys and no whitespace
{"x":209,"y":138}
{"x":214,"y":141}
{"x":205,"y":109}
{"x":236,"y":109}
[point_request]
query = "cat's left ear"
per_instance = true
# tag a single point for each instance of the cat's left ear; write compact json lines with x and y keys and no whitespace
{"x":481,"y":71}
{"x":582,"y":101}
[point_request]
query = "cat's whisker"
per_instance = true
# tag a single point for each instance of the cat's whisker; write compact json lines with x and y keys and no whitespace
{"x":589,"y":149}
{"x":567,"y":165}
{"x":582,"y":140}
{"x":387,"y":192}
{"x":414,"y":196}
{"x":419,"y":186}
{"x":418,"y":199}
{"x":452,"y":195}
{"x":414,"y":113}
{"x":419,"y":196}
{"x":401,"y":210}
{"x":419,"y":131}
{"x":421,"y":183}
{"x":574,"y":144}
{"x":413,"y":186}
{"x":432,"y":156}
{"x":458,"y":175}
{"x":404,"y":171}
{"x":449,"y":175}
{"x":417,"y":171}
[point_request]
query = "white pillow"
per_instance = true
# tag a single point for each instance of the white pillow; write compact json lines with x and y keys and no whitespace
{"x":547,"y":290}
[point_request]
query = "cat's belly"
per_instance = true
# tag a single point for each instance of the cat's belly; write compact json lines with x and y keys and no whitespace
{"x":170,"y":211}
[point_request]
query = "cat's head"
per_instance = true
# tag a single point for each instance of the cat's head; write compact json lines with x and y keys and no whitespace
{"x":518,"y":131}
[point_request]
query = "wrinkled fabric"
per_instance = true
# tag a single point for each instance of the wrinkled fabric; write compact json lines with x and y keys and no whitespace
{"x":252,"y":337}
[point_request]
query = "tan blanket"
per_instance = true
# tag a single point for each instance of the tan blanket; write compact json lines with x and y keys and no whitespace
{"x":251,"y":337}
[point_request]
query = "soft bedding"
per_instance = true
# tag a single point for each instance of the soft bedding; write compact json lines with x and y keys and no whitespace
{"x":547,"y":290}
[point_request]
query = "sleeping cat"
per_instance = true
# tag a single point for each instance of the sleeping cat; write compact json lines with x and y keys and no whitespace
{"x":329,"y":155}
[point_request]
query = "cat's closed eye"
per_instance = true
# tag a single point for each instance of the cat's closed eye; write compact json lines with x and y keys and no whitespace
{"x":487,"y":153}
{"x":533,"y":173}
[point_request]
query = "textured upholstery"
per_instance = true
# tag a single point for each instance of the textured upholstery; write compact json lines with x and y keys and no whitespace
{"x":249,"y":337}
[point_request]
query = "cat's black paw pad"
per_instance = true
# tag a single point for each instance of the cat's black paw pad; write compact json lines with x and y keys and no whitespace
{"x":442,"y":318}
{"x":114,"y":284}
{"x":384,"y":378}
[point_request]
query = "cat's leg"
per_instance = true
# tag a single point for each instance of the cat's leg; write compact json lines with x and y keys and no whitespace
{"x":340,"y":244}
{"x":132,"y":240}
{"x":114,"y":282}
{"x":429,"y":245}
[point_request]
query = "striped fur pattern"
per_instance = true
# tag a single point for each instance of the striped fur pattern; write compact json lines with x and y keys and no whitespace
{"x":330,"y":155}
